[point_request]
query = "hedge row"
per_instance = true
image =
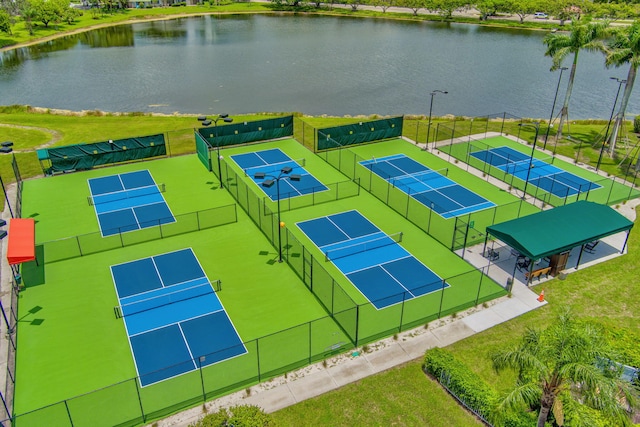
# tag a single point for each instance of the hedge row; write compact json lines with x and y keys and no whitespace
{"x":470,"y":388}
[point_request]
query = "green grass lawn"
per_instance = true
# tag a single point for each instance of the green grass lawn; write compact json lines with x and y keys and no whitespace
{"x":401,"y":396}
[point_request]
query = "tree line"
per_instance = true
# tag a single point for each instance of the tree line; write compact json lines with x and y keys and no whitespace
{"x":562,"y":10}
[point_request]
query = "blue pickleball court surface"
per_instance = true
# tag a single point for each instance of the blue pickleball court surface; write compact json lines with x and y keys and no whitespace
{"x":128,"y":202}
{"x":382,"y":270}
{"x":174,"y":320}
{"x":434,"y":190}
{"x":271,"y":163}
{"x":541,"y":174}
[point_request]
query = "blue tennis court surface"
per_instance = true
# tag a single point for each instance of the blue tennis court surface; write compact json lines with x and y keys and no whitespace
{"x":382,"y":270}
{"x":174,"y":319}
{"x":434,"y":190}
{"x":541,"y":174}
{"x":271,"y":163}
{"x":127,"y":202}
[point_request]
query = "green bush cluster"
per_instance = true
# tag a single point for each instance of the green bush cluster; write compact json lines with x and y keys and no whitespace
{"x":636,"y":124}
{"x":237,"y":416}
{"x":464,"y":383}
{"x":470,"y":388}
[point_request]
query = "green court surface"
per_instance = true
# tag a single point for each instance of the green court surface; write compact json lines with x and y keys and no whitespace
{"x":612,"y":190}
{"x":59,"y":204}
{"x":468,"y":286}
{"x":507,"y":206}
{"x":70,"y":343}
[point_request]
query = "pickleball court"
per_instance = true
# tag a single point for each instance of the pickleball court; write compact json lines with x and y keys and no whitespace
{"x":382,"y":270}
{"x":174,"y":320}
{"x":127,"y":202}
{"x":536,"y":172}
{"x":431,"y":188}
{"x":271,"y":162}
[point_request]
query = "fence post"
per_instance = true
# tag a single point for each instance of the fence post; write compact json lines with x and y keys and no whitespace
{"x":144,"y":417}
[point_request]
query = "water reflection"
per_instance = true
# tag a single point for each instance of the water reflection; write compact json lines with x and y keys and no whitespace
{"x":312,"y":64}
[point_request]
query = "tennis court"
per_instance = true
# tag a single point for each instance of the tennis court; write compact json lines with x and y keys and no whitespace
{"x":536,"y":172}
{"x":271,"y":162}
{"x":431,"y":188}
{"x":174,"y":320}
{"x":127,"y":202}
{"x":382,"y":270}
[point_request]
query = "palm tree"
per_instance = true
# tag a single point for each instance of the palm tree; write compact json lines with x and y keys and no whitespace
{"x":561,"y":370}
{"x":583,"y":35}
{"x":624,"y":48}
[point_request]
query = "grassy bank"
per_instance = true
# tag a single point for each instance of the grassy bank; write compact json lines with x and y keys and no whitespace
{"x":30,"y":129}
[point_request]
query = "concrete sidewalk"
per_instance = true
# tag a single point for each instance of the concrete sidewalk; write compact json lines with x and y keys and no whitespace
{"x":318,"y":379}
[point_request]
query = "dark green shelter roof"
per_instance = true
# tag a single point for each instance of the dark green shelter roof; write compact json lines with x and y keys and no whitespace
{"x":557,"y":230}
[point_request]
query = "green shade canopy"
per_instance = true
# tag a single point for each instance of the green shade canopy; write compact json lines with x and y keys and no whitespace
{"x":557,"y":230}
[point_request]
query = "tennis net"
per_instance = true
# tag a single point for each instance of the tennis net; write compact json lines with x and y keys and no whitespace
{"x":363,"y":246}
{"x":275,"y":167}
{"x":512,"y":167}
{"x":425,"y":176}
{"x":168,"y":298}
{"x":125,"y":194}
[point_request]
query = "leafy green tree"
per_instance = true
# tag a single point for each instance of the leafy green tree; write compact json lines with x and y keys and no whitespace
{"x":522,"y":8}
{"x":623,"y":49}
{"x":583,"y":35}
{"x":414,"y":5}
{"x":444,"y":8}
{"x":489,"y":8}
{"x":28,"y":14}
{"x":564,"y":370}
{"x":382,"y":4}
{"x":355,"y":4}
{"x":5,"y":22}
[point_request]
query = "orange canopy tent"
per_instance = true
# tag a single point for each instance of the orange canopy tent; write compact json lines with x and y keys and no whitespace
{"x":22,"y":240}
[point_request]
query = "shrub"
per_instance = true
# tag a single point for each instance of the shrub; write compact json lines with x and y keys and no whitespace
{"x":464,"y":383}
{"x":237,"y":416}
{"x":636,"y":124}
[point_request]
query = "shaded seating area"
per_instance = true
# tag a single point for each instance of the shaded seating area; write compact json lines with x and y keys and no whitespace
{"x":542,"y":241}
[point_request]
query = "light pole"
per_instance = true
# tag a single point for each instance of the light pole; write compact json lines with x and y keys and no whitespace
{"x":430,"y":110}
{"x":606,"y":134}
{"x":533,"y":150}
{"x":284,"y":173}
{"x":206,"y":122}
{"x":553,"y":107}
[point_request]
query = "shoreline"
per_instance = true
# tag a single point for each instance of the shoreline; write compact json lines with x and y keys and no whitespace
{"x":99,"y":113}
{"x":396,"y":10}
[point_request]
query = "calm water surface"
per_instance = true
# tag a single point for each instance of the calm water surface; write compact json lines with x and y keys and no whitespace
{"x":315,"y":65}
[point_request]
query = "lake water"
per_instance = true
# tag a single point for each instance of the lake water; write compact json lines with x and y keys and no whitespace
{"x":314,"y":65}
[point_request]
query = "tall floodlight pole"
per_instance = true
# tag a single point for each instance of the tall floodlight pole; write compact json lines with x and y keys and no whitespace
{"x":275,"y":179}
{"x":533,"y":150}
{"x":553,"y":107}
{"x":205,"y":122}
{"x":606,"y":134}
{"x":430,"y":111}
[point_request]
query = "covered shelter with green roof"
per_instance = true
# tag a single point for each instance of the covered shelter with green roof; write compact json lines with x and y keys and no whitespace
{"x":548,"y":234}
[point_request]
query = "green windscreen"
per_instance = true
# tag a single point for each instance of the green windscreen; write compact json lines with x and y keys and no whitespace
{"x":245,"y":132}
{"x":202,"y":148}
{"x":86,"y":156}
{"x":358,"y":133}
